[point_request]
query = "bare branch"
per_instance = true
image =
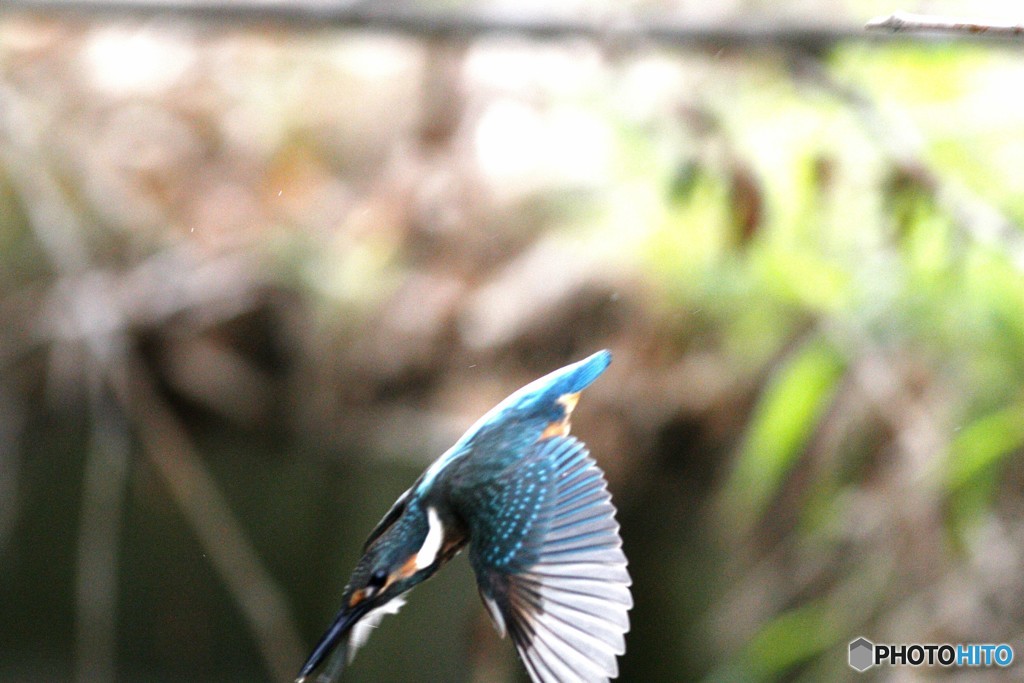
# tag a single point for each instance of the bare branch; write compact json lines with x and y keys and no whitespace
{"x":905,"y":22}
{"x":616,"y":29}
{"x":171,"y":451}
{"x":12,"y":422}
{"x":99,"y":539}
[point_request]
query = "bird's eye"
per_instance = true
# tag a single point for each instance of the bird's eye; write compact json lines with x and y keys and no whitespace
{"x":377,"y":581}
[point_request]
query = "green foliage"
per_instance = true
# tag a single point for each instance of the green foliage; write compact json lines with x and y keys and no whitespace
{"x":983,"y":444}
{"x":876,"y":308}
{"x":787,"y":413}
{"x":790,"y":639}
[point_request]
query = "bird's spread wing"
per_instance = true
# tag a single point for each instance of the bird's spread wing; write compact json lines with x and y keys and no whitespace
{"x":549,"y":563}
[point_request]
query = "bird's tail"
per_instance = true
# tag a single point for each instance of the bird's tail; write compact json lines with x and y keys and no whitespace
{"x":581,"y":374}
{"x":571,"y":379}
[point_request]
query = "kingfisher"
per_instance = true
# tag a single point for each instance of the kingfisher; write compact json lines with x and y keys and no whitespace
{"x":535,"y":510}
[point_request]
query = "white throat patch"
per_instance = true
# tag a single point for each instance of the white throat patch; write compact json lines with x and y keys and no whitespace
{"x":364,"y":627}
{"x":432,"y":543}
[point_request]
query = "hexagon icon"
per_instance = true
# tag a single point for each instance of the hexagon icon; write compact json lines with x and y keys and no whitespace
{"x":862,"y":654}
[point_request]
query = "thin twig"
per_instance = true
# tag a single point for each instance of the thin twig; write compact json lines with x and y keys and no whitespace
{"x":906,"y":22}
{"x":103,"y":498}
{"x":169,"y":448}
{"x":53,"y":221}
{"x":12,"y":422}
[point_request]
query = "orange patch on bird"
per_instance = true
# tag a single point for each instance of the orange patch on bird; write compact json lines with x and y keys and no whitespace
{"x":561,"y":427}
{"x":557,"y":428}
{"x":406,"y":570}
{"x":356,"y":598}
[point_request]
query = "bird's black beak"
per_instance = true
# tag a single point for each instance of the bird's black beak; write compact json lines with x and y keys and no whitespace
{"x":336,"y":637}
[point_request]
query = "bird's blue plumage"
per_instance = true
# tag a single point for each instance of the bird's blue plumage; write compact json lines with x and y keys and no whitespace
{"x":510,"y":510}
{"x":512,"y":425}
{"x":537,"y":514}
{"x":558,"y":585}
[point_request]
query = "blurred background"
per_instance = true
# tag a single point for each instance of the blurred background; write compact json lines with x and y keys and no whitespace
{"x":260,"y":265}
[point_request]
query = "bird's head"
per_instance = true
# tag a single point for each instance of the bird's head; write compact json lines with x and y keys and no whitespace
{"x":404,"y":552}
{"x":407,"y":547}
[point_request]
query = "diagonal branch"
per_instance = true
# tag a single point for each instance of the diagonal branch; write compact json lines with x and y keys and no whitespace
{"x":169,"y":448}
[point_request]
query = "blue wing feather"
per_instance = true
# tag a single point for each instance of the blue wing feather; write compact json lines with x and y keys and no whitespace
{"x":558,"y":578}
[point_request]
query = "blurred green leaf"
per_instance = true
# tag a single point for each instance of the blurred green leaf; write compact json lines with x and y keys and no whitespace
{"x":791,"y":638}
{"x":808,"y":279}
{"x":984,"y":443}
{"x":786,"y":416}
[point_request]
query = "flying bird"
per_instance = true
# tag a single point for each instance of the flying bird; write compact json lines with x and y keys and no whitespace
{"x":543,"y":540}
